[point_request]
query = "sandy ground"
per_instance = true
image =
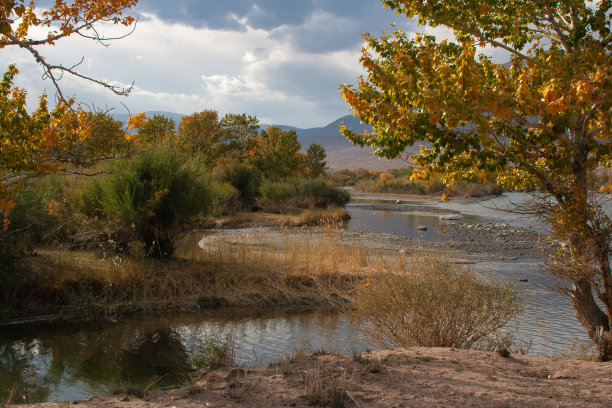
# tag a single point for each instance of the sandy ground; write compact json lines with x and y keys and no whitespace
{"x":416,"y":377}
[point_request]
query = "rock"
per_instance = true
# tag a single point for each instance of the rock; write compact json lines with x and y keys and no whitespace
{"x":451,"y":217}
{"x":422,"y":228}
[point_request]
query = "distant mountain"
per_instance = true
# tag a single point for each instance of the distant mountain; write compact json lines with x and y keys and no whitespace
{"x":123,"y":117}
{"x":341,"y":154}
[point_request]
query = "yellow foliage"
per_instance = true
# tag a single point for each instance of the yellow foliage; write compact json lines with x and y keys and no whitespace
{"x":384,"y":177}
{"x":137,"y":121}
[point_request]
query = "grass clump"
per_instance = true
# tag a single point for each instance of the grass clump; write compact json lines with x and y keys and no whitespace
{"x":432,"y":302}
{"x":137,"y":390}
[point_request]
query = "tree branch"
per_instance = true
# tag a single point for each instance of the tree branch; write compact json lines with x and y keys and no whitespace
{"x":492,"y":42}
{"x":48,"y":68}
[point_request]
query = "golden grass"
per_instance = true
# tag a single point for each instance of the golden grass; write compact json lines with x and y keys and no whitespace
{"x":291,"y":218}
{"x":247,"y":270}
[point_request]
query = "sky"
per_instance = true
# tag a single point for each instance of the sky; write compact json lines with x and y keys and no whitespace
{"x":279,"y":60}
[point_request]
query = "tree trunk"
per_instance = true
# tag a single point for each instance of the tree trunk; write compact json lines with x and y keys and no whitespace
{"x":592,"y":318}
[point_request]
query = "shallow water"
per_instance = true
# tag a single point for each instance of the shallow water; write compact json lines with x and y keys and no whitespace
{"x":76,"y":361}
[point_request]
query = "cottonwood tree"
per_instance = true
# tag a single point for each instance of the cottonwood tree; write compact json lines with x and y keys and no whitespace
{"x":543,"y":118}
{"x":276,"y":153}
{"x":314,"y":161}
{"x":44,"y":141}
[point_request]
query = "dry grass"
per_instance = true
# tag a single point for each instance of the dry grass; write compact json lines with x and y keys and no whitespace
{"x":432,"y":302}
{"x":244,"y":271}
{"x":290,"y":218}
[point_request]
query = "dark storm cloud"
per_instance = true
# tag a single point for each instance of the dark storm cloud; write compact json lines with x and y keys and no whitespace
{"x":259,"y":14}
{"x":309,"y":25}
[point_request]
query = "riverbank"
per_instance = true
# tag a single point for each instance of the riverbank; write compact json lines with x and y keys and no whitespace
{"x":260,"y":264}
{"x":415,"y":377}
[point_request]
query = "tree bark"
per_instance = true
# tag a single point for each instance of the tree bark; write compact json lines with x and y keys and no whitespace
{"x":591,"y":317}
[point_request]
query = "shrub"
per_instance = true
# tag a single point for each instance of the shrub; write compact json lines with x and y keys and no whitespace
{"x":477,"y":189}
{"x":152,"y":198}
{"x":276,"y":193}
{"x":435,"y":303}
{"x":33,"y":220}
{"x":247,"y":180}
{"x":224,"y":197}
{"x":303,"y":193}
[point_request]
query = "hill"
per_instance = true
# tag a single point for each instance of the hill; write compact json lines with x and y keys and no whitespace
{"x":341,"y":154}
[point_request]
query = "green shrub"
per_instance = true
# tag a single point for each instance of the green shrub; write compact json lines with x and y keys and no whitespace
{"x":433,"y":302}
{"x":303,"y":193}
{"x":467,"y":189}
{"x":152,"y":198}
{"x":33,"y":221}
{"x":275,"y":193}
{"x":224,"y":197}
{"x":247,"y":180}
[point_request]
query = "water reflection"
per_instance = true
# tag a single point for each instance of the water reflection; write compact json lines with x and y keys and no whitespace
{"x":75,"y":361}
{"x":396,"y":222}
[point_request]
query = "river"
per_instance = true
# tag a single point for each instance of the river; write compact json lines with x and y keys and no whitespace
{"x":74,"y":361}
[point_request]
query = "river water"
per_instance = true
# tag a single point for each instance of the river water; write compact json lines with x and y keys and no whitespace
{"x":76,"y":361}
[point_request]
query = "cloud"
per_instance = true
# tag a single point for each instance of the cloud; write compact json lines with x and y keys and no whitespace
{"x":281,"y":61}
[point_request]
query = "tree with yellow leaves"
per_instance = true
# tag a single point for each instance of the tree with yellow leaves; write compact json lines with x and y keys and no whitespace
{"x":43,"y":142}
{"x":543,"y":118}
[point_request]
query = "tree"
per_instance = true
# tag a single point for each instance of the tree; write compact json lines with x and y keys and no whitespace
{"x":314,"y":161}
{"x":44,"y":141}
{"x":21,"y":26}
{"x":155,"y":130}
{"x":201,"y":133}
{"x":240,"y":132}
{"x":543,"y":118}
{"x":276,"y":153}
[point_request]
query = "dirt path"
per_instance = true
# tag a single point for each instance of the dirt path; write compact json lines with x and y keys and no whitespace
{"x":417,"y":377}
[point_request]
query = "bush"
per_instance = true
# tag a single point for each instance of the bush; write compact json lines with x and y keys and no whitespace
{"x":477,"y":189}
{"x":224,"y":197}
{"x":212,"y":353}
{"x":303,"y":193}
{"x":152,"y":198}
{"x":34,"y":220}
{"x":247,"y":180}
{"x":435,"y":303}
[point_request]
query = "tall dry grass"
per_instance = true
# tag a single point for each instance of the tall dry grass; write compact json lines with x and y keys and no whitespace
{"x":233,"y":269}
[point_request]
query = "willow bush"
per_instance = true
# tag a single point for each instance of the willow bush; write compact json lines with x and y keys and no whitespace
{"x":151,"y":198}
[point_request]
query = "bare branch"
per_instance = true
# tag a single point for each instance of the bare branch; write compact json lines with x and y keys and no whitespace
{"x":49,"y":69}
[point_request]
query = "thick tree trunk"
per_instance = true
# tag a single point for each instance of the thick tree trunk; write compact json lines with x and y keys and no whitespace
{"x":592,"y":318}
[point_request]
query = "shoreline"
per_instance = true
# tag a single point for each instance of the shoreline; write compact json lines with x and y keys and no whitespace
{"x":414,"y":377}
